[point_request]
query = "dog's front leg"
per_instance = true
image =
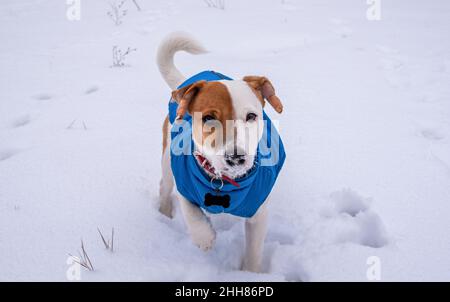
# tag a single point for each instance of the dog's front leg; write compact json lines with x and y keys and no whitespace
{"x":255,"y":233}
{"x":166,"y":185}
{"x":199,"y":227}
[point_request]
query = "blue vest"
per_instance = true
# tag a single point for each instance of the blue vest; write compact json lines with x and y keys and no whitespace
{"x":193,"y":182}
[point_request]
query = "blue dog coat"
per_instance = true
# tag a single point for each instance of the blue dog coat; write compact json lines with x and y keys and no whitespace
{"x":195,"y":184}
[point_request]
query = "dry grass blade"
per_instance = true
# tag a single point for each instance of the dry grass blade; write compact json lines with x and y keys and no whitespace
{"x":109,"y":244}
{"x":103,"y":239}
{"x":83,"y":258}
{"x":86,"y":257}
{"x":112,"y":240}
{"x":137,"y":5}
{"x":71,"y":124}
{"x":77,"y":260}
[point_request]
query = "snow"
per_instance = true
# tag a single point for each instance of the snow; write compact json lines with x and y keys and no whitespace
{"x":365,"y":127}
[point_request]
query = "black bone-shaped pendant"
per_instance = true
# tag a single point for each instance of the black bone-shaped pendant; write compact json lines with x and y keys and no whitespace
{"x":217,"y":200}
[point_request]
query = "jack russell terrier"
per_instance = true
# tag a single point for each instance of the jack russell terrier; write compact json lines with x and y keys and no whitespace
{"x":219,"y":147}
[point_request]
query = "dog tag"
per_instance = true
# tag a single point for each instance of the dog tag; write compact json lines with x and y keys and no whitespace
{"x":217,"y":200}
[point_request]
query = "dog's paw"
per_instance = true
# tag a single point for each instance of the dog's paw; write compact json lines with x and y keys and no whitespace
{"x":251,"y":266}
{"x":203,"y":235}
{"x":166,"y":209}
{"x":252,"y":262}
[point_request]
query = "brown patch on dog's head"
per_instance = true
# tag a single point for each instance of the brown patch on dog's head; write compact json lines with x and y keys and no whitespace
{"x":264,"y":89}
{"x":212,"y":100}
{"x":185,"y":96}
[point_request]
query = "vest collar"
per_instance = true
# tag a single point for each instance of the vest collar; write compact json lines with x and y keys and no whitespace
{"x":199,"y":174}
{"x":206,"y":165}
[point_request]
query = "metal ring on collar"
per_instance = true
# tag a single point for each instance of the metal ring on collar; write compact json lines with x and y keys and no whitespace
{"x":214,"y":186}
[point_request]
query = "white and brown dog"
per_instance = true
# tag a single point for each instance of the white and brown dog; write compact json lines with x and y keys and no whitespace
{"x":229,"y":157}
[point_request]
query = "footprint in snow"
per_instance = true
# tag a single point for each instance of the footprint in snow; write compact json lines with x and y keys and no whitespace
{"x":43,"y":96}
{"x":21,"y":121}
{"x":287,"y":261}
{"x":431,"y":134}
{"x":91,"y":89}
{"x":7,"y":153}
{"x":285,"y":232}
{"x":354,"y":221}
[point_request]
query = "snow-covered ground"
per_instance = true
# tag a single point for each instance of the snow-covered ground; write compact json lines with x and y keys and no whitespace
{"x":366,"y":129}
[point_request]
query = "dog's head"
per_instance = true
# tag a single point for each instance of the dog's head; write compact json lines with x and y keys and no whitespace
{"x":226,"y":120}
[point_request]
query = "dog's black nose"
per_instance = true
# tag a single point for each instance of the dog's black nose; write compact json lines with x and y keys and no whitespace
{"x":235,"y":159}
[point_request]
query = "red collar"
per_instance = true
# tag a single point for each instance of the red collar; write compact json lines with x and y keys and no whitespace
{"x":207,"y":166}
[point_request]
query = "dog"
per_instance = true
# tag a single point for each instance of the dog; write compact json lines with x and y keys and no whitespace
{"x":218,"y":169}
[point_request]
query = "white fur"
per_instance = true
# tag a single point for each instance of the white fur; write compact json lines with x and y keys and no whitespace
{"x":177,"y":41}
{"x":249,"y":133}
{"x":198,"y":224}
{"x":166,"y":184}
{"x":246,"y":136}
{"x":255,"y":233}
{"x":243,"y":98}
{"x":244,"y":101}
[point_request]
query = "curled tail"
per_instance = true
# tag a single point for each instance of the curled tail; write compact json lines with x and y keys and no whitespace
{"x":174,"y":42}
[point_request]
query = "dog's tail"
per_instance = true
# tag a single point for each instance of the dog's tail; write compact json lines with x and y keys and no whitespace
{"x":173,"y":43}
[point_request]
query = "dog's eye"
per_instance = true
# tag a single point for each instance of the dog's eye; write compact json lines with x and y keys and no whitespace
{"x":208,"y":117}
{"x":251,"y":117}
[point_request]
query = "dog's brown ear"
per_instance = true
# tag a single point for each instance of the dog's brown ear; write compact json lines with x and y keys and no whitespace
{"x":265,"y":87}
{"x":185,"y":95}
